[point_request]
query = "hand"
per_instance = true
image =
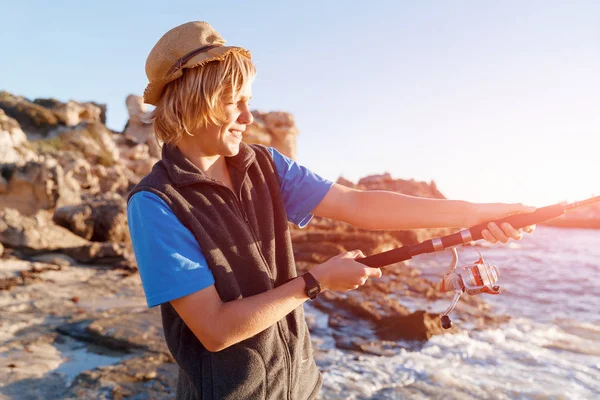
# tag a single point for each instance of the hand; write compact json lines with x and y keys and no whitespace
{"x":343,"y":272}
{"x":494,"y":211}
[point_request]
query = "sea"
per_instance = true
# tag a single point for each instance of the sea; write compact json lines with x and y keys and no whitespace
{"x":550,"y":348}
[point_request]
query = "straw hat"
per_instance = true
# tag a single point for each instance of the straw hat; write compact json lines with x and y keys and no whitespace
{"x":186,"y":46}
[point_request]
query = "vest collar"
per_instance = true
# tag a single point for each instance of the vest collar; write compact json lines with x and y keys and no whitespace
{"x":183,"y":172}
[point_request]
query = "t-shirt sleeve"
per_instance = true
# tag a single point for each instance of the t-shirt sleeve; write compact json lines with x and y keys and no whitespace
{"x":301,"y":188}
{"x":170,"y":261}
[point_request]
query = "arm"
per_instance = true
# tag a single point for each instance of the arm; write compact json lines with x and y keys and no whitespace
{"x":381,"y":210}
{"x":219,"y":325}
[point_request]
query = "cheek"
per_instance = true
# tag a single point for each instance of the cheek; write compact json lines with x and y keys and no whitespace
{"x":232,"y":116}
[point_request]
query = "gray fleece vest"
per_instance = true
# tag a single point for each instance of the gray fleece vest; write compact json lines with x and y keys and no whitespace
{"x":245,"y":238}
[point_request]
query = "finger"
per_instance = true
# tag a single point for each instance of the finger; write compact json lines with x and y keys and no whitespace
{"x":488,"y":236}
{"x":497,"y":232}
{"x":373,"y":272}
{"x":511,"y":232}
{"x":356,"y":254}
{"x":529,"y":229}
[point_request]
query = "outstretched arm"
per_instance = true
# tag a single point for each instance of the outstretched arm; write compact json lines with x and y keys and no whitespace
{"x":384,"y":210}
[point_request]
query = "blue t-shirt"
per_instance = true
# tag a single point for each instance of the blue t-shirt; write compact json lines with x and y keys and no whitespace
{"x":170,"y":261}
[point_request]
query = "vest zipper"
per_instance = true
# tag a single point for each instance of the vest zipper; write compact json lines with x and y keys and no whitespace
{"x":240,"y":209}
{"x":287,"y":354}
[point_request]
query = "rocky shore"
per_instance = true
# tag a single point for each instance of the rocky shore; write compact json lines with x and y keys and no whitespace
{"x":74,"y":322}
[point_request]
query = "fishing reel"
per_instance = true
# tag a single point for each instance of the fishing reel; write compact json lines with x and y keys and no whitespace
{"x":476,"y":278}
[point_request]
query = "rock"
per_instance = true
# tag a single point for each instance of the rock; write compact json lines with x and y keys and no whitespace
{"x":34,"y":119}
{"x":102,"y":108}
{"x":13,"y":142}
{"x":115,"y":179}
{"x":19,"y":272}
{"x":148,"y":377}
{"x":78,"y":172}
{"x":256,"y":133}
{"x":94,"y":141}
{"x":91,"y":141}
{"x":409,"y":187}
{"x":128,"y":332}
{"x":71,"y":113}
{"x":138,"y":129}
{"x":113,"y":255}
{"x":378,"y":348}
{"x":276,"y":129}
{"x":137,"y":159}
{"x":282,"y":127}
{"x":59,"y":259}
{"x":419,"y":325}
{"x":99,"y":219}
{"x":36,"y":185}
{"x":36,"y":232}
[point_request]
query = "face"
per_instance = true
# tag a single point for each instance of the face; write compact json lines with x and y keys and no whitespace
{"x":224,"y":140}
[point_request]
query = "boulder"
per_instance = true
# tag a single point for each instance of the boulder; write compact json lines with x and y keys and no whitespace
{"x":282,"y":127}
{"x":13,"y":142}
{"x":36,"y":185}
{"x":91,"y":141}
{"x":71,"y":113}
{"x":137,"y":158}
{"x":256,"y":133}
{"x":34,"y":119}
{"x":116,"y":179}
{"x":138,"y":129}
{"x":99,"y":219}
{"x":419,"y":325}
{"x":276,"y":129}
{"x":79,"y":172}
{"x":36,"y":232}
{"x":410,"y":187}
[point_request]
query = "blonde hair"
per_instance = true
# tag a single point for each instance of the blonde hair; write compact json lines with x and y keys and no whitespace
{"x":196,"y":99}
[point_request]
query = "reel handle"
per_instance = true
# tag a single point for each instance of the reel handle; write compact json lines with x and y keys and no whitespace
{"x":522,"y":220}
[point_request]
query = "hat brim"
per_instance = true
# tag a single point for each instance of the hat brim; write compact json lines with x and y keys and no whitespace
{"x":154,"y":90}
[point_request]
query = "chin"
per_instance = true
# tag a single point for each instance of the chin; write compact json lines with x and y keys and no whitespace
{"x":233,"y":151}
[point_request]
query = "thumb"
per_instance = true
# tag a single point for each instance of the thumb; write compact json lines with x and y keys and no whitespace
{"x":373,"y":272}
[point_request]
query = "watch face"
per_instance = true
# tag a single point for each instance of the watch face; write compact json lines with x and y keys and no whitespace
{"x":313,"y":292}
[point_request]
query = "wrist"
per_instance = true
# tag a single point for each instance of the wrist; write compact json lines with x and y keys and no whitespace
{"x":318,"y":273}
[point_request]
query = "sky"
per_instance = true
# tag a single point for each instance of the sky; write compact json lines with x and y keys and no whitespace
{"x":495,"y":101}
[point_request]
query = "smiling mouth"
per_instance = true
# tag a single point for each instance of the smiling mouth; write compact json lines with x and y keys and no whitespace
{"x":237,"y":133}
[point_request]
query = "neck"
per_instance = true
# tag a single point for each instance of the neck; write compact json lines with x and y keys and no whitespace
{"x":213,"y":165}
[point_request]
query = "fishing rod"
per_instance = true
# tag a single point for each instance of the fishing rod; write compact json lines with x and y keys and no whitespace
{"x":476,"y":278}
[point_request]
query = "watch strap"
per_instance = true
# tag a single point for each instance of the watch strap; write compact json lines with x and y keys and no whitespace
{"x":313,"y":287}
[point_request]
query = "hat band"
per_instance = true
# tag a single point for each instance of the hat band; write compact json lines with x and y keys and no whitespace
{"x":181,"y":62}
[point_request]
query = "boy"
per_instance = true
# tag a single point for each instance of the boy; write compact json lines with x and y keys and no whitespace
{"x":209,"y":227}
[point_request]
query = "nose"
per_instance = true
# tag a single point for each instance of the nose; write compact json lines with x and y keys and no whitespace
{"x":246,"y":117}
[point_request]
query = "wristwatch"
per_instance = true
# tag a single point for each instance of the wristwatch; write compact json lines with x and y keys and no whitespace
{"x":313,"y":288}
